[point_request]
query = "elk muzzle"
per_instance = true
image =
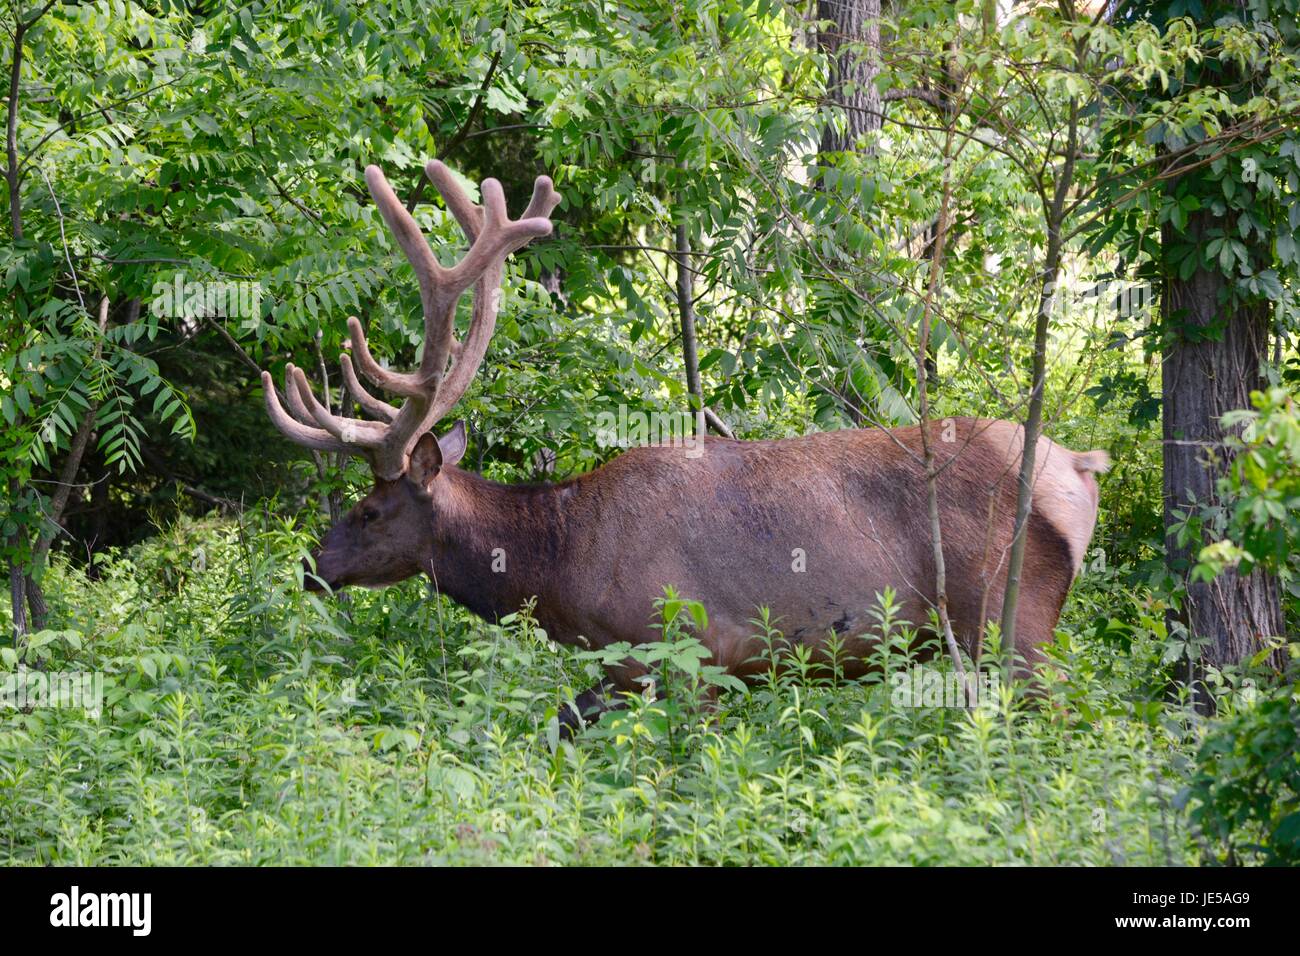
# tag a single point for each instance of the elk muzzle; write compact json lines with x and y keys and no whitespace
{"x":324,"y":569}
{"x":312,"y":578}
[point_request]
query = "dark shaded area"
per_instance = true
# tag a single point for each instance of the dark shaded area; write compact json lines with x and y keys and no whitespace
{"x":235,"y":458}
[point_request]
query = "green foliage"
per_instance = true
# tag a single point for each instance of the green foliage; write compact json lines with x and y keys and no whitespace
{"x":245,"y":721}
{"x":236,"y":137}
{"x":1262,"y":491}
{"x":1220,"y":118}
{"x":1244,"y":794}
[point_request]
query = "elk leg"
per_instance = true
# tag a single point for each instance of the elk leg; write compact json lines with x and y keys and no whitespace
{"x":609,"y":694}
{"x":587,"y":708}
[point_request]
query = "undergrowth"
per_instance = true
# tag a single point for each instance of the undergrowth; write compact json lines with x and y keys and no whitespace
{"x":245,"y":721}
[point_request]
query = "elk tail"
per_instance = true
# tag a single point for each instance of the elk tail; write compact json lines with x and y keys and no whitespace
{"x":1091,"y":461}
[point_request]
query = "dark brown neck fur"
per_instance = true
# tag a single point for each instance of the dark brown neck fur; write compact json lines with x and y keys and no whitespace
{"x":473,"y":517}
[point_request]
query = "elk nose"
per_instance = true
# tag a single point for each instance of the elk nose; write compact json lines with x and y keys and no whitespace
{"x":310,"y":579}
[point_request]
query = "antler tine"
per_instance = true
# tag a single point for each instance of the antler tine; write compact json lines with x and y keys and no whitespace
{"x":491,"y":232}
{"x":351,"y":431}
{"x":487,"y":298}
{"x":406,"y":232}
{"x":467,"y":214}
{"x":497,"y":238}
{"x":431,"y":391}
{"x":372,"y":405}
{"x":399,"y":383}
{"x":294,"y":430}
{"x":470,"y":216}
{"x":438,"y":296}
{"x":544,"y":200}
{"x":296,"y":408}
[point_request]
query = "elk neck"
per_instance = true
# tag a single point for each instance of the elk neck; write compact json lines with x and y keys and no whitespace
{"x":495,"y":546}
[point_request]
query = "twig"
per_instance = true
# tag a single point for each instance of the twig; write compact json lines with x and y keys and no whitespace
{"x":461,"y":134}
{"x":63,"y":236}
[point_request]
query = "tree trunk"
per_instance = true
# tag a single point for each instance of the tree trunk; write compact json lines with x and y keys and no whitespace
{"x":63,"y":487}
{"x":36,"y":603}
{"x":849,"y":35}
{"x":1054,"y":217}
{"x":850,"y":85}
{"x":686,"y":315}
{"x":1033,"y":429}
{"x":1210,"y":367}
{"x":927,"y":445}
{"x":100,"y":478}
{"x":17,"y":594}
{"x":690,"y":347}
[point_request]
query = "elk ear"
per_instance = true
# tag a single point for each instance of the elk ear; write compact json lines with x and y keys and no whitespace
{"x":426,"y":461}
{"x":453,"y":444}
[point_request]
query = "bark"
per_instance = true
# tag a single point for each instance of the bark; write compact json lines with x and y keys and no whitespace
{"x":1055,"y":214}
{"x":18,"y":603}
{"x":13,"y":181}
{"x":927,"y":445}
{"x":66,"y":480}
{"x":932,"y":252}
{"x":17,"y":580}
{"x":12,"y":178}
{"x":849,"y":35}
{"x":850,"y":38}
{"x":686,"y":314}
{"x":99,"y":494}
{"x":36,"y":604}
{"x":690,"y":346}
{"x":1210,"y":367}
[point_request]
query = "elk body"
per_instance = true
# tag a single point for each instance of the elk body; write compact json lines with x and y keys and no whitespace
{"x":813,"y":528}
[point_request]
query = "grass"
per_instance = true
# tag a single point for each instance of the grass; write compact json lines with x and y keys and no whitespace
{"x":247,"y":722}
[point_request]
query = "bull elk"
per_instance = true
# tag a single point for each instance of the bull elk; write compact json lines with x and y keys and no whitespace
{"x":812,"y":528}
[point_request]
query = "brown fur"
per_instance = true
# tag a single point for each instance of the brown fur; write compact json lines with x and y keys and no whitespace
{"x":596,"y":551}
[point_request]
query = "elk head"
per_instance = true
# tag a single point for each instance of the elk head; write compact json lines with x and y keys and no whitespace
{"x":385,"y":537}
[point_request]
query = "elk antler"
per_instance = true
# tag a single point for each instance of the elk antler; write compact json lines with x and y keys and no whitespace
{"x":431,"y":390}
